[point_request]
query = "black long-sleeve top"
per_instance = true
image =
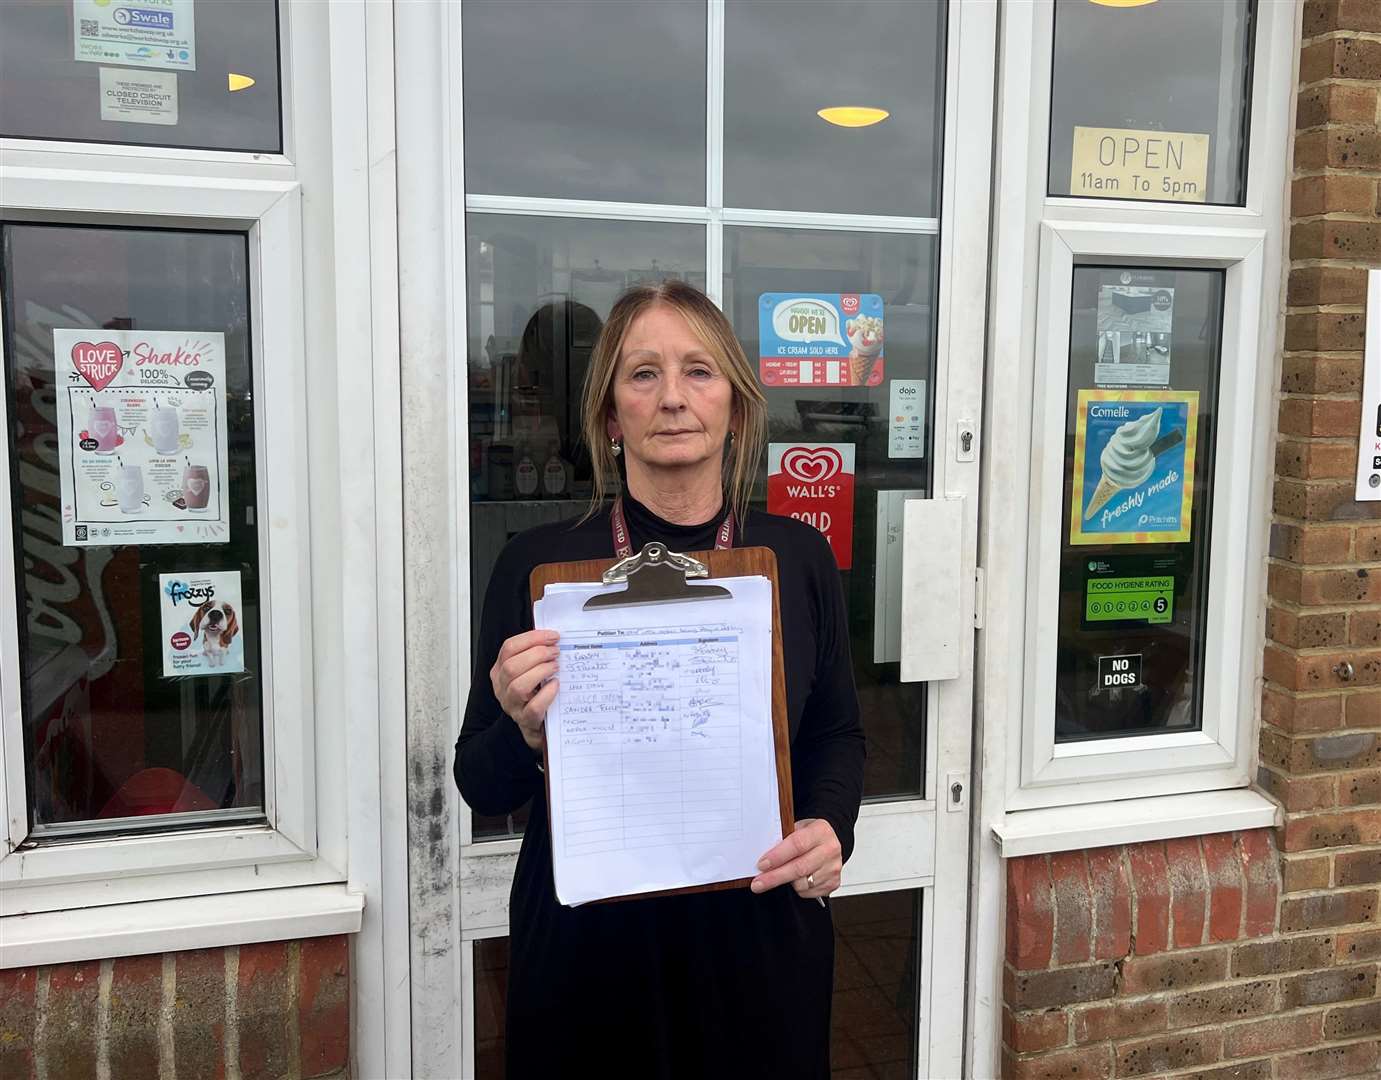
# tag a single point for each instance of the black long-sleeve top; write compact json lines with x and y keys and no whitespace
{"x":685,"y":985}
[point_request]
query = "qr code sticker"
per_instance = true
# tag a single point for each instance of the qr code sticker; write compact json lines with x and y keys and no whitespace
{"x":81,"y":532}
{"x":91,"y":28}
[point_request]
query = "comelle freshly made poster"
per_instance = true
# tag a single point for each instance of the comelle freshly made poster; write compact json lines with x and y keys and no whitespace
{"x":142,"y":436}
{"x":1133,"y":470}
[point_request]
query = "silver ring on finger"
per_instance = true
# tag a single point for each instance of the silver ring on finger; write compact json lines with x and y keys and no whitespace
{"x":810,"y":881}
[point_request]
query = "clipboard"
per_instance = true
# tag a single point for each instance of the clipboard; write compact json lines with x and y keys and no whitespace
{"x":657,"y":575}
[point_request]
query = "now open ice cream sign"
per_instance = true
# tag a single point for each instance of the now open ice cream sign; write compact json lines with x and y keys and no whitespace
{"x":814,"y":483}
{"x":820,"y":339}
{"x":1133,"y":480}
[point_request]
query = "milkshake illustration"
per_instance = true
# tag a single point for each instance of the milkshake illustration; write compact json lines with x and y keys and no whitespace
{"x":1127,"y":460}
{"x":196,"y":487}
{"x":164,"y":428}
{"x":100,"y":425}
{"x":865,"y":335}
{"x":129,"y":489}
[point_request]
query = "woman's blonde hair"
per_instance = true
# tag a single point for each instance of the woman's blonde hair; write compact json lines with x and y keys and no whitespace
{"x":707,"y":323}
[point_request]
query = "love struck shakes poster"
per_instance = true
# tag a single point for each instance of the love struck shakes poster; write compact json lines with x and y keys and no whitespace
{"x":1133,"y":470}
{"x":141,"y":418}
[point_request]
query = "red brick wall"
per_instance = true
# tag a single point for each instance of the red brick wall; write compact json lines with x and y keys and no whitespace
{"x":1143,"y":959}
{"x":1207,"y":983}
{"x":279,"y":1009}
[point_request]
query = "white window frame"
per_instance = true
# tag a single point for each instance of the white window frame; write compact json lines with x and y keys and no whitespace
{"x":44,"y":877}
{"x":301,"y":871}
{"x":1179,"y":761}
{"x":1244,"y":242}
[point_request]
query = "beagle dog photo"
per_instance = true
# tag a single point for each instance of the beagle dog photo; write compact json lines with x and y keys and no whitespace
{"x":217,"y":626}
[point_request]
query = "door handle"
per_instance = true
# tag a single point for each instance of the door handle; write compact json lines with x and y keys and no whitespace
{"x":932,"y":589}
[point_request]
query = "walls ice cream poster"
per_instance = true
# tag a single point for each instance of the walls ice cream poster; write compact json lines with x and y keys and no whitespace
{"x":1133,"y":476}
{"x":820,"y":339}
{"x":142,"y":436}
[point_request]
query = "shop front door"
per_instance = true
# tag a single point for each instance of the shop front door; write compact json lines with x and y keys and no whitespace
{"x":803,"y":188}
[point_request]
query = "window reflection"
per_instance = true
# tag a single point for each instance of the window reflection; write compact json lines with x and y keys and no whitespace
{"x":874,"y":1016}
{"x":540,"y":289}
{"x":899,"y":269}
{"x":1151,"y":102}
{"x":786,"y":61}
{"x":204,"y":76}
{"x":1144,"y":361}
{"x":108,"y":732}
{"x":585,"y":99}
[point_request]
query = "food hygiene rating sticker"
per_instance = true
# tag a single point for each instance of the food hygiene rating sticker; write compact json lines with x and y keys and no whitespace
{"x":1139,"y":599}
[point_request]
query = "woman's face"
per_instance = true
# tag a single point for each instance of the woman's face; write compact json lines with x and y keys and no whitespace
{"x":673,"y":405}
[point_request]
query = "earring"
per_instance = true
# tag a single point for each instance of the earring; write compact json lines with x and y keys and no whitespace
{"x":615,"y":447}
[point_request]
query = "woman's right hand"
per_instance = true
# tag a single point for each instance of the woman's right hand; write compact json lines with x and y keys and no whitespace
{"x":517,"y":675}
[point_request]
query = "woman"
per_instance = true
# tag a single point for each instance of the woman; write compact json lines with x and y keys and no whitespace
{"x":729,"y":983}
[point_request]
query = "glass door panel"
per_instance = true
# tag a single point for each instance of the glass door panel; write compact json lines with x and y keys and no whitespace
{"x":540,"y":290}
{"x":876,"y":149}
{"x":855,"y":416}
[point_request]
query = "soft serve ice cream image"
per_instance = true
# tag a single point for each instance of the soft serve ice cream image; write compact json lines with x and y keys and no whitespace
{"x":1127,"y":460}
{"x":865,"y":338}
{"x":1133,"y":468}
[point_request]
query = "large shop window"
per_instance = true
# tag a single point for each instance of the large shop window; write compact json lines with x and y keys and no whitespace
{"x":1151,"y":101}
{"x":172,"y":73}
{"x":131,"y":428}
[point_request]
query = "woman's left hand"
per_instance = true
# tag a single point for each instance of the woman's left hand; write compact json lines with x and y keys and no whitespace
{"x":810,"y":858}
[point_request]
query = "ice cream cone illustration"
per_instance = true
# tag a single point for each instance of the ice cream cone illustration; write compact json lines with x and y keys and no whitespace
{"x":865,"y":336}
{"x":1127,"y":460}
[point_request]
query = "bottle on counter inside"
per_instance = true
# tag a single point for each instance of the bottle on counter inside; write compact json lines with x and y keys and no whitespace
{"x":556,"y":473}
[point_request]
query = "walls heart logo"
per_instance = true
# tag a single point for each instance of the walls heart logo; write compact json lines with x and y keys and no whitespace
{"x":814,"y":483}
{"x":812,"y":466}
{"x":98,"y":364}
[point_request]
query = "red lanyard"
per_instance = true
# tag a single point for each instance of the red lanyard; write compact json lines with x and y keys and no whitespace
{"x":624,"y":548}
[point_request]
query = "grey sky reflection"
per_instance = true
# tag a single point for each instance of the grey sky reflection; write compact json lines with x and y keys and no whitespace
{"x":45,"y":93}
{"x":585,"y":99}
{"x":1156,"y":67}
{"x":785,"y":60}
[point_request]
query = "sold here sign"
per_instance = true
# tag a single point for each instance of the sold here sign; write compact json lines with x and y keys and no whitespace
{"x":814,"y":483}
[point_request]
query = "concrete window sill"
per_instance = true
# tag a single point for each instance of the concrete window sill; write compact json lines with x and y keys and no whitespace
{"x":191,"y":922}
{"x":1131,"y":821}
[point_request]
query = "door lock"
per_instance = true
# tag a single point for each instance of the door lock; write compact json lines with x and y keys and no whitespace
{"x":958,"y":792}
{"x":964,"y":440}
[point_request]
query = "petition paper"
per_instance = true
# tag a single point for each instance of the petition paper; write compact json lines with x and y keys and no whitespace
{"x":659,"y":741}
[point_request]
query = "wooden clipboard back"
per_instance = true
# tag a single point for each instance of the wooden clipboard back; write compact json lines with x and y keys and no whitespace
{"x":732,"y":562}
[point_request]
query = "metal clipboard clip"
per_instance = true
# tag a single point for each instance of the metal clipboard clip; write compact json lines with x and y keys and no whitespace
{"x":656,"y":576}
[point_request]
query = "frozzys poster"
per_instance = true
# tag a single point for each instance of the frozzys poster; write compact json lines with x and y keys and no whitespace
{"x":141,"y":436}
{"x":820,"y":339}
{"x":1133,"y":466}
{"x":200,"y":617}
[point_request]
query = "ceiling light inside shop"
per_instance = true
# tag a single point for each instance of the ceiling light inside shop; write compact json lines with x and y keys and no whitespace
{"x":853,"y":115}
{"x":1122,"y":3}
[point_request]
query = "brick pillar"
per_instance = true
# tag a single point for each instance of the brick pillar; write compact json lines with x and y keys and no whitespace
{"x":272,"y":1011}
{"x":1291,"y":991}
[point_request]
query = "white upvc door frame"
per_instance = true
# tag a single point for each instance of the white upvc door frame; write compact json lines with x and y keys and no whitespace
{"x":906,"y":843}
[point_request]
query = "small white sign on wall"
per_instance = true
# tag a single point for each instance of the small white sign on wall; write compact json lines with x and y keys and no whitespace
{"x":1369,"y":439}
